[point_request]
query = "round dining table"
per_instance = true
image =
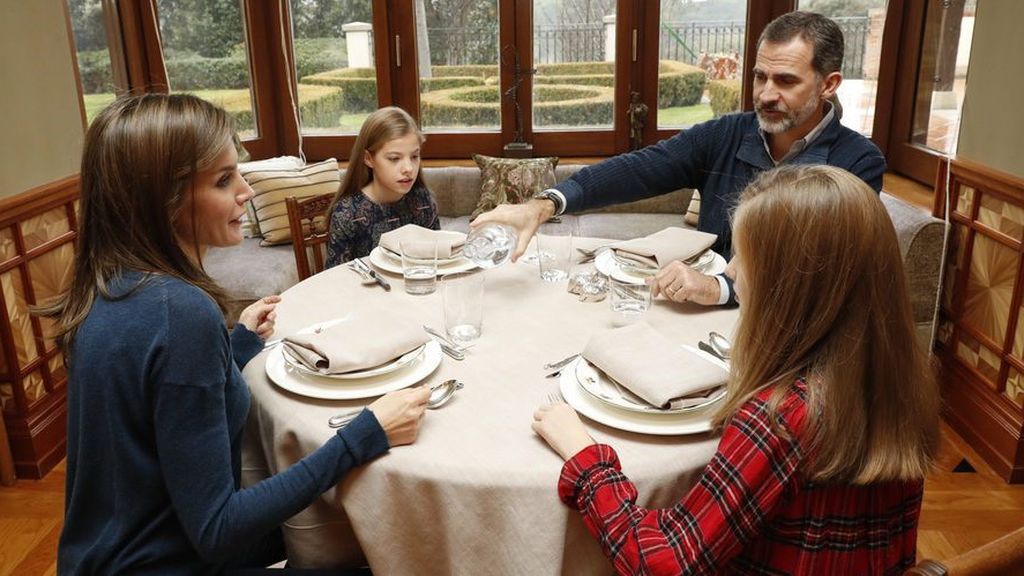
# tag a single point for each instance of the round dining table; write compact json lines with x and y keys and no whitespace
{"x":476,"y":492}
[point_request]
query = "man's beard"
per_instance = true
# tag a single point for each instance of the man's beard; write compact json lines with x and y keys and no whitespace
{"x":790,"y":120}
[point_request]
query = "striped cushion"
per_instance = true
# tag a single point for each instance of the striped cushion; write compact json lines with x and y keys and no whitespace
{"x":272,"y":186}
{"x":693,"y":210}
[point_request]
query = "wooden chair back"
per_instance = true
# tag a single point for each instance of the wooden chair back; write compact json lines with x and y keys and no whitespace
{"x":308,"y":221}
{"x":1000,"y":557}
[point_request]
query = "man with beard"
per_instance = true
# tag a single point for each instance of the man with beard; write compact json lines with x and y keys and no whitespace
{"x":797,"y":72}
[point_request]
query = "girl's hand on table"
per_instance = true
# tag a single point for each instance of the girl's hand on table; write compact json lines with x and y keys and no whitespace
{"x":560,"y":426}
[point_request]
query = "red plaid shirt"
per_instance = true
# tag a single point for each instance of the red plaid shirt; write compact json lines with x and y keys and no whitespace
{"x":751,"y":512}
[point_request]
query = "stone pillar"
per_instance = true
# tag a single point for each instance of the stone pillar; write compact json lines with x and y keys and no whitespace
{"x":359,"y":41}
{"x":609,"y":38}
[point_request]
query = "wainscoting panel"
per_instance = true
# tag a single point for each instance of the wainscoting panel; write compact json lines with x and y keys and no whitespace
{"x":37,"y":233}
{"x":981,"y":334}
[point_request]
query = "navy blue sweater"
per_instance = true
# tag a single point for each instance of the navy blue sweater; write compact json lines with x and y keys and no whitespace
{"x":156,"y":410}
{"x":719,"y":158}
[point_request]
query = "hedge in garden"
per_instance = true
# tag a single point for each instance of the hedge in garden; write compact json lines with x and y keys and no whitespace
{"x":318,"y":106}
{"x":554,"y":105}
{"x":725,"y":96}
{"x":679,"y":84}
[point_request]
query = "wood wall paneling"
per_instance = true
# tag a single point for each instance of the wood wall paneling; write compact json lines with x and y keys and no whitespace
{"x":37,"y":233}
{"x":981,"y":335}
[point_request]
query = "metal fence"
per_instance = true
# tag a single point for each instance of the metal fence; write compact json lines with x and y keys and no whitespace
{"x":462,"y":46}
{"x":681,"y":41}
{"x":568,"y":43}
{"x":684,"y":41}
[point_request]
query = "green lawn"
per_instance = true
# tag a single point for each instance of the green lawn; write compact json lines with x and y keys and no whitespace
{"x":96,"y":102}
{"x":684,"y":115}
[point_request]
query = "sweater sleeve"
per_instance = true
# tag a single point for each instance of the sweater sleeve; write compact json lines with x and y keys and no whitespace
{"x":245,"y":345}
{"x":677,"y":162}
{"x":194,"y":443}
{"x":737,"y":492}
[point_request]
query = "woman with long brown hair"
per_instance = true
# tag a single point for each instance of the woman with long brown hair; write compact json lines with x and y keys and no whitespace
{"x":383,"y":187}
{"x":832,"y":415}
{"x":156,"y":399}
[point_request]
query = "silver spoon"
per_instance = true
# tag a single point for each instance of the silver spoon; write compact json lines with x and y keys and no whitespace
{"x":721,"y":344}
{"x":440,"y":394}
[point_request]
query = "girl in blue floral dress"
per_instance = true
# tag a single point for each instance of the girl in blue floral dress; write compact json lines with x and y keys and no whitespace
{"x":383,"y":188}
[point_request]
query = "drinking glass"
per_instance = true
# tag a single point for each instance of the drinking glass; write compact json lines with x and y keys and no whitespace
{"x":463,"y":300}
{"x":419,"y":266}
{"x":629,"y":301}
{"x":544,"y":182}
{"x":554,"y":250}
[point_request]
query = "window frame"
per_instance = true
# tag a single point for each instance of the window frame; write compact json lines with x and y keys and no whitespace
{"x":273,"y":77}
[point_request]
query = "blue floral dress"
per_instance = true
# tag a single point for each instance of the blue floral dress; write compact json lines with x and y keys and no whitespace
{"x":357,"y":222}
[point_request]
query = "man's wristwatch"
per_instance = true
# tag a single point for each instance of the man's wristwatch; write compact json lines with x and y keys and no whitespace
{"x":555,"y":199}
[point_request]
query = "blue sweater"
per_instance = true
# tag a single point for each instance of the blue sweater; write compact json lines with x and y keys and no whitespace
{"x":719,"y":158}
{"x":156,"y":410}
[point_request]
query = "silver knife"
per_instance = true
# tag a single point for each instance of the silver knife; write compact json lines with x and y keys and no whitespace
{"x":373,"y":274}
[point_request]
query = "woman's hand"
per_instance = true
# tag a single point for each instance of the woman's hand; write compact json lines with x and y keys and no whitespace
{"x":259,"y":317}
{"x":399,"y":413}
{"x":525,"y":218}
{"x":680,"y":283}
{"x":561,"y":428}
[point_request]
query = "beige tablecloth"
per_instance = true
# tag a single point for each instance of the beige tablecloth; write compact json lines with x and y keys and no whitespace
{"x":476,"y":493}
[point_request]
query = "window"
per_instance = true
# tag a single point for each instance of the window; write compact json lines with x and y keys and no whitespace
{"x":89,"y":25}
{"x":700,"y":60}
{"x":569,"y":77}
{"x":942,"y":75}
{"x":336,"y":69}
{"x":457,"y":52}
{"x":862,"y":22}
{"x":205,"y":53}
{"x":574,"y":53}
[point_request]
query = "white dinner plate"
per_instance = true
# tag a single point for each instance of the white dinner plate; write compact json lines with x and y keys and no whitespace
{"x":382,"y":260}
{"x":672,"y":424}
{"x":604,"y":388}
{"x":391,"y":366}
{"x":304,"y":384}
{"x":606,"y":264}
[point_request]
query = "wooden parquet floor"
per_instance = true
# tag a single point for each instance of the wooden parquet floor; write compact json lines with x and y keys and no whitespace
{"x":962,"y":510}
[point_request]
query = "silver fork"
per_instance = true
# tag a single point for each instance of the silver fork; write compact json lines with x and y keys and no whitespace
{"x":555,"y":398}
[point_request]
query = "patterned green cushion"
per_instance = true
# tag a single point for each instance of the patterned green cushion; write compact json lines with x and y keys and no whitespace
{"x":511,"y":180}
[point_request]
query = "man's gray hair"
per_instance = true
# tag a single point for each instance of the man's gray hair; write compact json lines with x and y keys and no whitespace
{"x":822,"y":33}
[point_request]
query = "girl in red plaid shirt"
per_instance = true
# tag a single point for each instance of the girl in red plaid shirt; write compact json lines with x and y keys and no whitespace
{"x":832,"y":415}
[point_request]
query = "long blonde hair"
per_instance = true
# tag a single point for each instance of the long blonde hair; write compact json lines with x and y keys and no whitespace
{"x":825,"y":297}
{"x":379,"y":128}
{"x":139,"y":163}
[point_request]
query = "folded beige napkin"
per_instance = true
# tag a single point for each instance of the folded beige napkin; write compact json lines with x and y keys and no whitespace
{"x":664,"y":246}
{"x":449,"y":243}
{"x":361,"y":341}
{"x":650,"y":365}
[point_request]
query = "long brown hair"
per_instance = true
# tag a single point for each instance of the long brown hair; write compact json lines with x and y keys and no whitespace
{"x":825,"y":297}
{"x":379,"y":128}
{"x":139,"y":164}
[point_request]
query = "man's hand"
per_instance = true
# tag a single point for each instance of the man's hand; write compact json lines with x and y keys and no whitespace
{"x":525,"y":218}
{"x":680,"y":283}
{"x":259,"y":317}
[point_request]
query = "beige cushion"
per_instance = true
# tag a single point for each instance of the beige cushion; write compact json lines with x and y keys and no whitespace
{"x":693,"y":210}
{"x":272,"y":185}
{"x":511,"y":180}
